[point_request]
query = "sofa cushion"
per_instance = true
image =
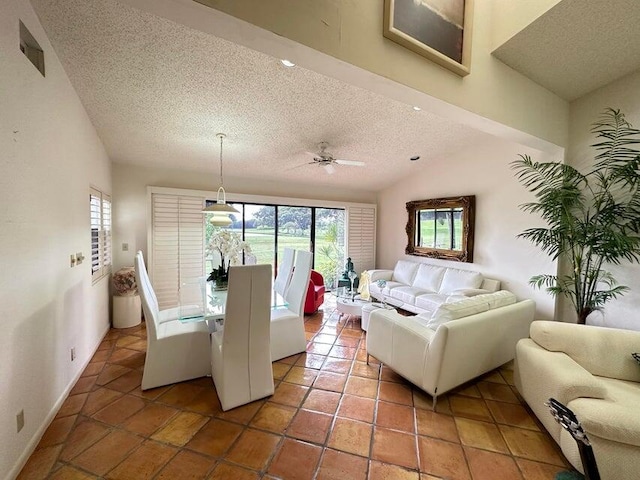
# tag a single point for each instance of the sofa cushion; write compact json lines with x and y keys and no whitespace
{"x":404,"y":272}
{"x":456,"y":279}
{"x":499,"y":299}
{"x":428,"y":278}
{"x":406,"y":294}
{"x":461,"y":309}
{"x":430,"y":301}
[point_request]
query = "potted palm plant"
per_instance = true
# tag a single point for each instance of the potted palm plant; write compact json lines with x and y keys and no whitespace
{"x":592,"y":216}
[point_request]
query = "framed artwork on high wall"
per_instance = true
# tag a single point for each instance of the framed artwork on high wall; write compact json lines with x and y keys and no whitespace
{"x":439,"y":30}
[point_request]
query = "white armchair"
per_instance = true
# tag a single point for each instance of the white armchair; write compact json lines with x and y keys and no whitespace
{"x":240,"y":352}
{"x":175,"y":351}
{"x":287,"y":324}
{"x":591,"y":371}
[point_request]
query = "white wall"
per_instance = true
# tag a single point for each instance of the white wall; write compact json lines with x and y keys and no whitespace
{"x":483,"y":171}
{"x":49,"y":155}
{"x":623,"y":94}
{"x":130,"y":199}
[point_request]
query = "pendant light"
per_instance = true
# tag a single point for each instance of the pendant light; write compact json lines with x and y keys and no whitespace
{"x":220,"y":210}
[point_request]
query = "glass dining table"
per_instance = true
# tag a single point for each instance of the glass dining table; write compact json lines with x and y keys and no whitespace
{"x":199,"y":301}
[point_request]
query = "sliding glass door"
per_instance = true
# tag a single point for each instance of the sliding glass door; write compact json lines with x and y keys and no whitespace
{"x":269,"y":229}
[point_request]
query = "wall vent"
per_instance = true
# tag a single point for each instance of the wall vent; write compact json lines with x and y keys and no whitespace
{"x":31,"y":49}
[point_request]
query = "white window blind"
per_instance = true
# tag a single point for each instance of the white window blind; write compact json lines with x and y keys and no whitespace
{"x":100,"y":208}
{"x":177,"y":245}
{"x":361,"y":241}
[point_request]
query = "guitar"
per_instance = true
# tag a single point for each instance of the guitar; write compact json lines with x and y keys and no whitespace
{"x":568,"y":420}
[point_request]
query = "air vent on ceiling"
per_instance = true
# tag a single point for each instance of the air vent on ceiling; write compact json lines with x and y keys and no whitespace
{"x":31,"y":49}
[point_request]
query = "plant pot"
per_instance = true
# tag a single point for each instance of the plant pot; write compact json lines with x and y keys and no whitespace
{"x":220,"y":284}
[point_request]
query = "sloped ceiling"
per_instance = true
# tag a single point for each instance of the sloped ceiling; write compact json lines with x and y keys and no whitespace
{"x":158,"y":92}
{"x":577,"y":46}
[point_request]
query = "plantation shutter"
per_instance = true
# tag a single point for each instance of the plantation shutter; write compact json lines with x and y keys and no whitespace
{"x":100,"y":219}
{"x":177,"y":245}
{"x":361,"y":246}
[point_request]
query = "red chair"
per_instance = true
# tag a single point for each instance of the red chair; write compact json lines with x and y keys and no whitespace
{"x":315,"y":293}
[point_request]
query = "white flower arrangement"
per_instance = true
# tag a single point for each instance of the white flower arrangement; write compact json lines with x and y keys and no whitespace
{"x":230,"y":246}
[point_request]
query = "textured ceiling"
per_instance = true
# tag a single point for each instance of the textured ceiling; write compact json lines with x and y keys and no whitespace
{"x":577,"y":46}
{"x":158,"y":92}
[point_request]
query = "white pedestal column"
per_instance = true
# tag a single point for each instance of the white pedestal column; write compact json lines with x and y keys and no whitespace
{"x":127,"y":311}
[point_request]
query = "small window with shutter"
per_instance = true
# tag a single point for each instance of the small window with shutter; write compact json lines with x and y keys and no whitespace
{"x":100,"y":206}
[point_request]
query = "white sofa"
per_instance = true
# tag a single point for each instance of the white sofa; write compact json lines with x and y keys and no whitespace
{"x":455,"y":344}
{"x":422,"y":288}
{"x":591,"y":371}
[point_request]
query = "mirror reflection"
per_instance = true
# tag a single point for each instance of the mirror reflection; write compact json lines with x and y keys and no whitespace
{"x":441,"y":228}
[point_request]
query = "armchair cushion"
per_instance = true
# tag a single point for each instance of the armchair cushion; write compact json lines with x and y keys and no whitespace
{"x":315,"y":293}
{"x":601,"y":351}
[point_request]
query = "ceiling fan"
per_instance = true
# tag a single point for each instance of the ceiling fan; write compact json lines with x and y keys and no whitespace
{"x":325,"y":159}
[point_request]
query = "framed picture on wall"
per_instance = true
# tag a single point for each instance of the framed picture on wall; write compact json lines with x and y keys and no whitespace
{"x":439,"y":30}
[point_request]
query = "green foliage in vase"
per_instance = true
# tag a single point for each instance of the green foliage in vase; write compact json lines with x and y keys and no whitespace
{"x":592,"y":216}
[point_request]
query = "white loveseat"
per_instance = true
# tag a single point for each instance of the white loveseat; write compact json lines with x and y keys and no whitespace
{"x":422,"y":288}
{"x":591,"y":371}
{"x":458,"y":342}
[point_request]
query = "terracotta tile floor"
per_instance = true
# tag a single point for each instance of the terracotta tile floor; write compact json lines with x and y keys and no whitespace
{"x":332,"y":417}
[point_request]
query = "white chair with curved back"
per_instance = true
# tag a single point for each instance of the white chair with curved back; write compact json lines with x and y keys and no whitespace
{"x":240,"y":352}
{"x":283,"y":277}
{"x":163,"y":315}
{"x":176,"y":351}
{"x":287,"y":324}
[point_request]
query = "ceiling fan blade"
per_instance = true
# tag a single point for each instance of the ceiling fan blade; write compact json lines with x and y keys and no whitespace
{"x":353,"y":163}
{"x":298,"y":166}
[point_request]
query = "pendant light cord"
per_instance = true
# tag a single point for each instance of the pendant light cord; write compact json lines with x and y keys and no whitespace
{"x":221,"y":178}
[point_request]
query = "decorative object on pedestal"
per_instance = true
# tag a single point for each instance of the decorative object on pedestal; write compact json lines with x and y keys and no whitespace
{"x":229,"y":246}
{"x":346,"y":279}
{"x":592,"y":216}
{"x":127,"y":309}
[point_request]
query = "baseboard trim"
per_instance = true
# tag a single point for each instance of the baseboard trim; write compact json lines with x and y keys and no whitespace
{"x":35,"y":439}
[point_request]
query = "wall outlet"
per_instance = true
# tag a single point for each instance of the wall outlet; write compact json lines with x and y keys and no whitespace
{"x":125,"y":247}
{"x":20,"y":421}
{"x":73,"y":353}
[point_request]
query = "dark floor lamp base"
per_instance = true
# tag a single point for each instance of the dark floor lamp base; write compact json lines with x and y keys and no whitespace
{"x":569,"y":476}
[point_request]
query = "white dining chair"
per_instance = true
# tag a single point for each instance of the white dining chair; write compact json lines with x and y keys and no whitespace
{"x":176,"y":351}
{"x":287,"y":324}
{"x":285,"y":268}
{"x":166,"y":315}
{"x":240,"y":352}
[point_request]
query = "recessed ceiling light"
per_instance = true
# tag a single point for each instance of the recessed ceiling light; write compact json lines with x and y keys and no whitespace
{"x":414,"y":158}
{"x":287,"y":63}
{"x":417,"y":109}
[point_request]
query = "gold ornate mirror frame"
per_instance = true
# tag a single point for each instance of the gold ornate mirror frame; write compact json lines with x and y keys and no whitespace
{"x":441,"y":228}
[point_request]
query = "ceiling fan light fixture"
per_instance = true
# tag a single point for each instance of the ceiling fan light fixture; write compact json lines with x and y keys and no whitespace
{"x":330,"y":168}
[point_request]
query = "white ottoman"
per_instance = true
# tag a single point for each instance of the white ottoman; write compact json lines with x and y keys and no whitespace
{"x":366,"y":311}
